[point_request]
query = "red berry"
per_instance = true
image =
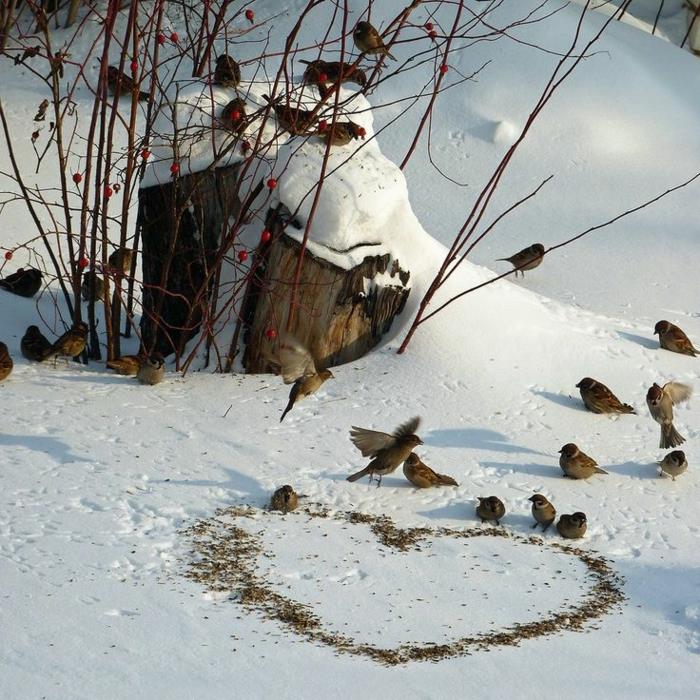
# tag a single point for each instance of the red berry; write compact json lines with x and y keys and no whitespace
{"x":272,"y":183}
{"x":322,"y":78}
{"x":160,"y":38}
{"x":250,"y":15}
{"x":235,"y":115}
{"x":243,"y":255}
{"x":108,"y":191}
{"x":432,"y":34}
{"x":145,"y":154}
{"x":322,"y":125}
{"x":265,"y":236}
{"x":175,"y":168}
{"x":270,"y":333}
{"x":8,"y":255}
{"x":77,"y":178}
{"x":35,"y":136}
{"x":174,"y":37}
{"x":362,"y":132}
{"x":134,"y":66}
{"x":444,"y":68}
{"x":83,"y":263}
{"x":245,"y":146}
{"x":428,"y":26}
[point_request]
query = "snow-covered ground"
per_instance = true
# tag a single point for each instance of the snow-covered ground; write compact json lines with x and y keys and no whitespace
{"x":102,"y":477}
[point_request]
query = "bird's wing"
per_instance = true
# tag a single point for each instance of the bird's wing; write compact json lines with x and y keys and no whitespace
{"x":370,"y":442}
{"x":407,"y":428}
{"x":295,"y":360}
{"x":677,"y":391}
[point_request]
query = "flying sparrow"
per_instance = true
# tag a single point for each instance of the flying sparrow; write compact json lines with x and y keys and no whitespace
{"x":422,"y":476}
{"x":674,"y":339}
{"x":120,"y":83}
{"x":387,"y":451}
{"x":151,"y":369}
{"x":661,"y":401}
{"x":233,"y":116}
{"x":341,"y":133}
{"x":490,"y":509}
{"x":599,"y":399}
{"x":34,"y":345}
{"x":543,"y":511}
{"x":6,"y":363}
{"x":85,"y":286}
{"x":294,"y":120}
{"x":25,"y":282}
{"x":368,"y":40}
{"x":72,"y":342}
{"x":227,"y":72}
{"x":527,"y":259}
{"x":576,"y":464}
{"x":126,"y":365}
{"x":572,"y":527}
{"x":297,"y":367}
{"x":284,"y":499}
{"x":673,"y":464}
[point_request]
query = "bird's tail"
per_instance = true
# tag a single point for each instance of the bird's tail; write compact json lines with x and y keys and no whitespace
{"x":288,"y":409}
{"x":359,"y":475}
{"x":445,"y":480}
{"x":598,"y":470}
{"x":670,"y":437}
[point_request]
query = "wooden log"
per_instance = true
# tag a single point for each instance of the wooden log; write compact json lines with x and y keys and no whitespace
{"x":341,"y":314}
{"x":181,"y":225}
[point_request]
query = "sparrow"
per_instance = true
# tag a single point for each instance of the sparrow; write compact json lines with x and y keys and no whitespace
{"x":661,"y":401}
{"x":422,"y":476}
{"x":490,"y":509}
{"x":284,"y":499}
{"x":88,"y":278}
{"x":673,"y":464}
{"x":576,"y":464}
{"x":341,"y":133}
{"x":387,"y":451}
{"x":6,"y":363}
{"x":233,"y":116}
{"x":126,"y":365}
{"x":297,"y":367}
{"x":674,"y":339}
{"x":72,"y":342}
{"x":295,"y":121}
{"x":120,"y":260}
{"x":320,"y":73}
{"x":368,"y":40}
{"x":227,"y":72}
{"x":572,"y":527}
{"x":151,"y":369}
{"x":527,"y":259}
{"x":34,"y":345}
{"x":543,"y":511}
{"x":599,"y":399}
{"x":25,"y":282}
{"x":120,"y":83}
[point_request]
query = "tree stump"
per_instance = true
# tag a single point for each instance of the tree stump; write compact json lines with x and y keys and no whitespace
{"x":181,"y":224}
{"x":341,"y":314}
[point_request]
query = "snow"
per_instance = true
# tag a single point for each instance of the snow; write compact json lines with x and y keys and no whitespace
{"x":101,"y":476}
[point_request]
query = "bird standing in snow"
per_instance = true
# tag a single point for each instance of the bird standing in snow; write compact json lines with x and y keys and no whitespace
{"x":126,"y":365}
{"x":527,"y":259}
{"x":422,"y":476}
{"x":284,"y":499}
{"x":25,"y":282}
{"x":661,"y":401}
{"x":490,"y":509}
{"x":151,"y":369}
{"x":6,"y":363}
{"x":298,"y":367}
{"x":599,"y":399}
{"x":233,"y":116}
{"x":576,"y":464}
{"x":341,"y":133}
{"x":34,"y":345}
{"x":543,"y":511}
{"x":673,"y":464}
{"x":572,"y":526}
{"x":672,"y":338}
{"x":387,"y":451}
{"x":368,"y":40}
{"x":71,"y":343}
{"x":119,"y":83}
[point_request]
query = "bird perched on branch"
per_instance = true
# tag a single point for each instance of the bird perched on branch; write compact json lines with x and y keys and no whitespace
{"x":341,"y":133}
{"x":527,"y":259}
{"x":490,"y":509}
{"x":422,"y":476}
{"x":284,"y":499}
{"x":368,"y":40}
{"x":543,"y":511}
{"x":6,"y":363}
{"x":296,"y":121}
{"x":599,"y":399}
{"x":298,"y":367}
{"x":576,"y":464}
{"x":126,"y":365}
{"x":233,"y":116}
{"x":34,"y":345}
{"x":227,"y":72}
{"x":661,"y":401}
{"x":673,"y":464}
{"x":120,"y":260}
{"x":25,"y":282}
{"x":387,"y":451}
{"x":119,"y":83}
{"x":151,"y":369}
{"x":572,"y":527}
{"x":672,"y":338}
{"x":321,"y":73}
{"x":91,"y":278}
{"x":72,"y":342}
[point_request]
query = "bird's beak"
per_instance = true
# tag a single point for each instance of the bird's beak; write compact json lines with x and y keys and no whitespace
{"x":560,"y":451}
{"x":420,"y":442}
{"x":578,"y":386}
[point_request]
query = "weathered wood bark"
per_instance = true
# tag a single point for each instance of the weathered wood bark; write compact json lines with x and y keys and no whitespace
{"x":341,"y":314}
{"x":181,"y":225}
